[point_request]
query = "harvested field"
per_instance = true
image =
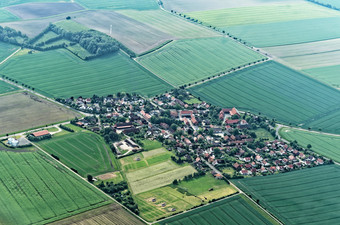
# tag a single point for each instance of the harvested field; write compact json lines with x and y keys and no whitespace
{"x":119,"y":4}
{"x":23,"y":111}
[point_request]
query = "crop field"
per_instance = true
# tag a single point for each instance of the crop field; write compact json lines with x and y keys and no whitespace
{"x":4,"y":3}
{"x":6,"y":50}
{"x":170,"y":24}
{"x":71,"y":25}
{"x":84,"y":151}
{"x":37,"y":190}
{"x":109,"y":215}
{"x":327,"y":145}
{"x":22,"y":111}
{"x":328,"y":122}
{"x":49,"y":35}
{"x":260,"y":89}
{"x":119,"y":4}
{"x":234,"y":210}
{"x":262,"y":14}
{"x":45,"y":71}
{"x":5,"y":87}
{"x":6,"y":16}
{"x":188,"y":61}
{"x":38,"y":10}
{"x":289,"y":32}
{"x":308,"y":196}
{"x":123,"y":29}
{"x":328,"y":74}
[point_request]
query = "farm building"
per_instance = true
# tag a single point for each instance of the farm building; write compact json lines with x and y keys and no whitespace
{"x":12,"y":142}
{"x":40,"y":133}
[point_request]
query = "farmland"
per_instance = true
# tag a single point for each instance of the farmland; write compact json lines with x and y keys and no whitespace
{"x":299,"y":197}
{"x":4,"y":3}
{"x":262,"y":14}
{"x":327,"y":145}
{"x":6,"y":50}
{"x":84,"y":151}
{"x":288,"y":32}
{"x":6,"y":16}
{"x":122,"y":29}
{"x":188,"y":61}
{"x":169,"y":24}
{"x":35,"y":190}
{"x":328,"y":74}
{"x":45,"y":71}
{"x":258,"y":89}
{"x":22,"y":111}
{"x":5,"y":87}
{"x":119,"y":4}
{"x":235,"y":210}
{"x":70,"y":25}
{"x":327,"y":122}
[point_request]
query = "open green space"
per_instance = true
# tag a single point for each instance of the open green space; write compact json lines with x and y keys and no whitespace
{"x":5,"y":87}
{"x":71,"y":26}
{"x":308,"y":196}
{"x":37,"y":190}
{"x":151,"y":144}
{"x":188,"y":61}
{"x":6,"y":16}
{"x":6,"y":50}
{"x":324,"y":144}
{"x":288,"y":32}
{"x":84,"y":151}
{"x":327,"y":74}
{"x":262,"y":14}
{"x":234,"y":210}
{"x":275,"y":91}
{"x":4,"y":3}
{"x":45,"y":71}
{"x":262,"y":133}
{"x":119,"y":4}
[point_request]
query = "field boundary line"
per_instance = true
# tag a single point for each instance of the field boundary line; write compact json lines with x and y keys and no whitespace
{"x":10,"y":56}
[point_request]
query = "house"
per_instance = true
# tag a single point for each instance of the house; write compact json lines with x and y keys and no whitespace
{"x":223,"y":112}
{"x":41,"y":133}
{"x":258,"y":158}
{"x":174,"y":114}
{"x":234,"y":112}
{"x":186,"y":113}
{"x":122,"y":126}
{"x":231,"y":122}
{"x":193,"y":120}
{"x":245,"y":172}
{"x":319,"y":161}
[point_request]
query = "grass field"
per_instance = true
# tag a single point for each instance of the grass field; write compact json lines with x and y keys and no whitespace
{"x":4,"y":3}
{"x":22,"y":111}
{"x":234,"y":210}
{"x":187,"y":61}
{"x":37,"y":190}
{"x":108,"y":215}
{"x":5,"y":87}
{"x":45,"y":71}
{"x":6,"y":50}
{"x":328,"y":74}
{"x":6,"y":16}
{"x":289,"y":32}
{"x":262,"y":14}
{"x":151,"y":144}
{"x":273,"y":90}
{"x":119,"y":4}
{"x":308,"y":196}
{"x":84,"y":151}
{"x":70,"y":25}
{"x":169,"y":24}
{"x":49,"y":35}
{"x":327,"y":145}
{"x":264,"y":134}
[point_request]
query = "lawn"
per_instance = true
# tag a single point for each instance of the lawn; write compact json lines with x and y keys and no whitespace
{"x":234,"y":210}
{"x":262,"y":14}
{"x":170,"y":24}
{"x":45,"y":71}
{"x":275,"y":91}
{"x":327,"y":145}
{"x":328,"y":74}
{"x":22,"y":111}
{"x":264,"y":134}
{"x":37,"y":190}
{"x":188,"y":61}
{"x":308,"y":196}
{"x":6,"y":50}
{"x":5,"y":87}
{"x":84,"y":151}
{"x":6,"y":16}
{"x":151,"y":144}
{"x":288,"y":32}
{"x":119,"y":4}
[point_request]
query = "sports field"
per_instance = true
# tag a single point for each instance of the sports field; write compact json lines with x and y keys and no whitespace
{"x":119,"y":4}
{"x":170,"y":24}
{"x":37,"y":190}
{"x":289,"y":32}
{"x":5,"y":87}
{"x":45,"y":71}
{"x":234,"y":210}
{"x":328,"y":74}
{"x":188,"y":61}
{"x":308,"y":196}
{"x":23,"y":111}
{"x":6,"y":16}
{"x":6,"y":50}
{"x":262,"y":14}
{"x":326,"y":145}
{"x":273,"y":90}
{"x":84,"y":151}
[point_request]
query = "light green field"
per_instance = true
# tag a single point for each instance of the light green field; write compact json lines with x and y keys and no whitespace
{"x":49,"y":35}
{"x":37,"y":190}
{"x":6,"y":16}
{"x":6,"y":50}
{"x":187,"y":61}
{"x":289,"y":32}
{"x":328,"y":74}
{"x":275,"y":91}
{"x":297,"y":197}
{"x":45,"y":71}
{"x":5,"y":87}
{"x":84,"y":151}
{"x":70,"y":25}
{"x":264,"y":134}
{"x":262,"y":14}
{"x":4,"y":3}
{"x":151,"y":144}
{"x":333,"y":3}
{"x":119,"y":4}
{"x":327,"y":145}
{"x":170,"y":24}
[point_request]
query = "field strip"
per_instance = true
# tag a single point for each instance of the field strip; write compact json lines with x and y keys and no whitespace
{"x":10,"y":56}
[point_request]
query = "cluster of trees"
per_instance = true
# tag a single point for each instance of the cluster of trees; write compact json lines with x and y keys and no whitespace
{"x":66,"y":128}
{"x":12,"y":36}
{"x":189,"y":177}
{"x":30,"y":137}
{"x":324,"y":4}
{"x":110,"y":135}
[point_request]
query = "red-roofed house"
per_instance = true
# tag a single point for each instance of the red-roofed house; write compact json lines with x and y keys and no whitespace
{"x":186,"y":113}
{"x":40,"y":133}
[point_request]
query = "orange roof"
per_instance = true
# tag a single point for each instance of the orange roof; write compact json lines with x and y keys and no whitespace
{"x":40,"y":133}
{"x":234,"y":111}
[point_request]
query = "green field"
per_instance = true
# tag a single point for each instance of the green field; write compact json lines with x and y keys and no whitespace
{"x":151,"y":144}
{"x":263,"y":134}
{"x":328,"y":74}
{"x":289,"y":32}
{"x":119,"y":4}
{"x":4,"y":3}
{"x":308,"y":196}
{"x":6,"y":50}
{"x":262,"y":14}
{"x":327,"y":122}
{"x":327,"y":145}
{"x":5,"y":87}
{"x":187,"y":61}
{"x":235,"y":210}
{"x":333,"y":3}
{"x":84,"y":151}
{"x":37,"y":190}
{"x":6,"y":16}
{"x":273,"y":90}
{"x":70,"y":25}
{"x":45,"y":71}
{"x":169,"y":24}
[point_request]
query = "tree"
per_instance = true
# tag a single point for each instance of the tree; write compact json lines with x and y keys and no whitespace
{"x":309,"y":146}
{"x":90,"y":178}
{"x":175,"y":182}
